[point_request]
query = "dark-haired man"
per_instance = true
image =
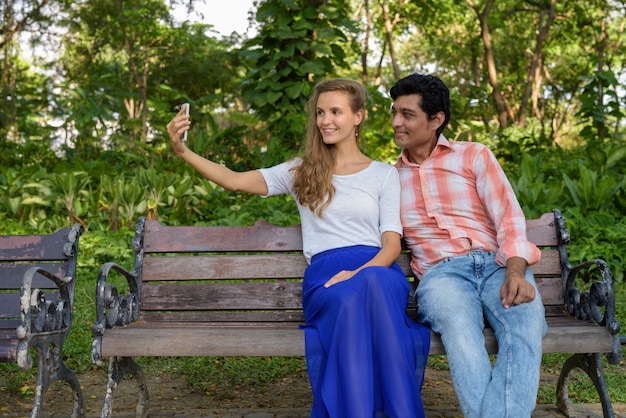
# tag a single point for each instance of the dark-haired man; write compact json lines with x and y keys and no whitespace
{"x":467,"y":235}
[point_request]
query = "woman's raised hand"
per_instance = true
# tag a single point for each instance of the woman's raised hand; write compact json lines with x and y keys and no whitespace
{"x":176,"y":129}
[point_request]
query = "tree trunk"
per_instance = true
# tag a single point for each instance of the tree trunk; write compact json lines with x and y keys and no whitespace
{"x":379,"y":69}
{"x":531,"y":80}
{"x":602,"y":46}
{"x":538,"y":113}
{"x":139,"y":79}
{"x":389,"y":26}
{"x":366,"y":41}
{"x":492,"y":73}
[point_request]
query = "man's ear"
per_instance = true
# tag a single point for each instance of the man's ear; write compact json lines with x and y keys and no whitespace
{"x":438,"y":119}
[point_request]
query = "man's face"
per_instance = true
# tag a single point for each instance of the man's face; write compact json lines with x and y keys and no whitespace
{"x":413,"y":130}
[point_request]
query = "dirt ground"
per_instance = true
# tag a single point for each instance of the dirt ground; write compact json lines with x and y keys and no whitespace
{"x":175,"y":394}
{"x":168,"y":395}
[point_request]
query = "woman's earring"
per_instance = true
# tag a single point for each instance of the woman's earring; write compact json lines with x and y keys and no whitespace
{"x":356,"y":131}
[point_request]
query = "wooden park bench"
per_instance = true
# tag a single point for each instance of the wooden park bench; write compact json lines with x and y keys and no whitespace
{"x":37,"y":279}
{"x":236,"y":291}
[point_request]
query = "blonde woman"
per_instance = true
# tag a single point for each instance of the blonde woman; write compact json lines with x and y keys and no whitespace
{"x":365,"y":357}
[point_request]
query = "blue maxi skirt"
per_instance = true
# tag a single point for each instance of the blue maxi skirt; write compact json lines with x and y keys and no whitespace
{"x":365,"y":356}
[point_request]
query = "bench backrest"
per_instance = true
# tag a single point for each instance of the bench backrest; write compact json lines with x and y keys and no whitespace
{"x":18,"y":253}
{"x":253,"y":274}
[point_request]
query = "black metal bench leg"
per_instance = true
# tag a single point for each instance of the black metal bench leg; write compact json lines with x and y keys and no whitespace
{"x":79,"y":401}
{"x":51,"y":368}
{"x":44,"y":370}
{"x":119,"y":367}
{"x":591,"y":364}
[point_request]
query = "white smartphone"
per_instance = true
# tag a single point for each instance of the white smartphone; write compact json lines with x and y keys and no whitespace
{"x":186,"y":106}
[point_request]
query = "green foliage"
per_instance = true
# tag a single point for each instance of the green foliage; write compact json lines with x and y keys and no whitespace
{"x":597,"y":234}
{"x":376,"y":137}
{"x":600,"y":105}
{"x":591,"y":191}
{"x":229,"y":146}
{"x":70,"y":189}
{"x":581,"y":389}
{"x":15,"y":188}
{"x":299,"y":43}
{"x":537,"y":192}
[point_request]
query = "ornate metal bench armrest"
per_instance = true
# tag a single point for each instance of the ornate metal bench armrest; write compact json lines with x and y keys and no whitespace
{"x":596,"y":304}
{"x":38,"y":314}
{"x":113,"y":309}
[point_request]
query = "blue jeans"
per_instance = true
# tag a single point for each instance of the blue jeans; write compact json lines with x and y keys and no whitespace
{"x":456,"y":297}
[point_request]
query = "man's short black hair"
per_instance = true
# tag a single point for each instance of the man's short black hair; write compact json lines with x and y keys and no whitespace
{"x":433,"y":91}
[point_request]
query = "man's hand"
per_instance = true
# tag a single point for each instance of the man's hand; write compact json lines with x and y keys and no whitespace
{"x":516,"y":289}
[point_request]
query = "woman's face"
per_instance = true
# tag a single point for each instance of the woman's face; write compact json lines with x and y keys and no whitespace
{"x":335,"y":118}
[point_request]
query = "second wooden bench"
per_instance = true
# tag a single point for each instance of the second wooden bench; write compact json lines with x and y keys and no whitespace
{"x":37,"y":280}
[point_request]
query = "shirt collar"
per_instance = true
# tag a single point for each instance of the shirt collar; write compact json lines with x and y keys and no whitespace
{"x":442,"y":142}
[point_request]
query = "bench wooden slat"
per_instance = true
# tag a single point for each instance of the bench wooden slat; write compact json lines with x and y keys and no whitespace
{"x":274,"y":340}
{"x":8,"y":345}
{"x":10,"y":303}
{"x":549,"y":265}
{"x":33,"y":247}
{"x":228,"y":296}
{"x":157,"y":318}
{"x":581,"y":337}
{"x":542,"y":231}
{"x":550,"y":291}
{"x":10,"y":324}
{"x":262,"y":237}
{"x":12,"y":275}
{"x":270,"y":266}
{"x":252,"y":296}
{"x":289,"y":265}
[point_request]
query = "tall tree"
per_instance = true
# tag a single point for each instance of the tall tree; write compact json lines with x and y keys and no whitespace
{"x":126,"y":66}
{"x":129,"y":36}
{"x":19,"y":18}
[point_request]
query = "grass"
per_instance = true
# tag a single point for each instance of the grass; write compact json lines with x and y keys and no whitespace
{"x":580,"y":386}
{"x":214,"y":376}
{"x":221,"y":377}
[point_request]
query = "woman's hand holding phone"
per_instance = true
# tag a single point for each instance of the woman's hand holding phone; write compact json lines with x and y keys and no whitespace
{"x":186,"y":106}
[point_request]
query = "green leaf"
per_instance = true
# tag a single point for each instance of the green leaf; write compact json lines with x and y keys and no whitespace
{"x":616,"y":156}
{"x":294,"y":90}
{"x":272,"y":97}
{"x":313,"y":67}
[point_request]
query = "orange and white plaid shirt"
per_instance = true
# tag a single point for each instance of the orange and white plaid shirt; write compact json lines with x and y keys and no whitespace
{"x":459,"y":200}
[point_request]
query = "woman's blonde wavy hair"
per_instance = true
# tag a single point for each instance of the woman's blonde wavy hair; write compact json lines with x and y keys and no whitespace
{"x":312,"y":183}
